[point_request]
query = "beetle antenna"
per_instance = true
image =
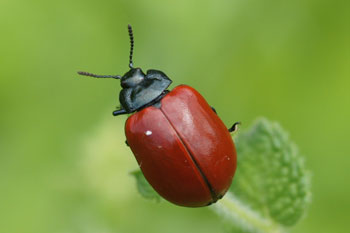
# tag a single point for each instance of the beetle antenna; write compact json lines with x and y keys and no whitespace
{"x":131,"y":36}
{"x":99,"y":76}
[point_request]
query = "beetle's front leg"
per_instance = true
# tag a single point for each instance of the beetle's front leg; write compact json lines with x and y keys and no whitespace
{"x":213,"y":109}
{"x":234,"y":127}
{"x":119,"y":112}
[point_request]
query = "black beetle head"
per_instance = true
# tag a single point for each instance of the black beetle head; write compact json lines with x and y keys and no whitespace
{"x":139,"y":89}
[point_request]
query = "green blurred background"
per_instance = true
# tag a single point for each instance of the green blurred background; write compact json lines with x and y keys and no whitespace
{"x":64,"y":165}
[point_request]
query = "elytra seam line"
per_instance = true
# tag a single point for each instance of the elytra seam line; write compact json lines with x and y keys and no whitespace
{"x":212,"y":192}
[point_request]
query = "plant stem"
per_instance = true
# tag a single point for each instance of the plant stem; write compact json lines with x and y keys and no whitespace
{"x":240,"y":215}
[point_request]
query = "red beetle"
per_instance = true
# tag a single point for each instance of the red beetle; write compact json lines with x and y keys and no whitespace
{"x":182,"y":147}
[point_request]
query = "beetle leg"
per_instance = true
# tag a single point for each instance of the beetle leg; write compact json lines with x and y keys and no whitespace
{"x":234,"y":127}
{"x":119,"y":112}
{"x":213,"y":109}
{"x":126,"y":142}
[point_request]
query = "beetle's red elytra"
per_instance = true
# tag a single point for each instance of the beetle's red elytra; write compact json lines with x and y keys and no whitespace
{"x":183,"y":148}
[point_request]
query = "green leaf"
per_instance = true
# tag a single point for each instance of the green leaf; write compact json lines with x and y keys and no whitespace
{"x":271,"y":187}
{"x":144,"y":188}
{"x":271,"y":175}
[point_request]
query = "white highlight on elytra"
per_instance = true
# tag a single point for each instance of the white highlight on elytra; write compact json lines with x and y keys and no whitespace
{"x":148,"y":132}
